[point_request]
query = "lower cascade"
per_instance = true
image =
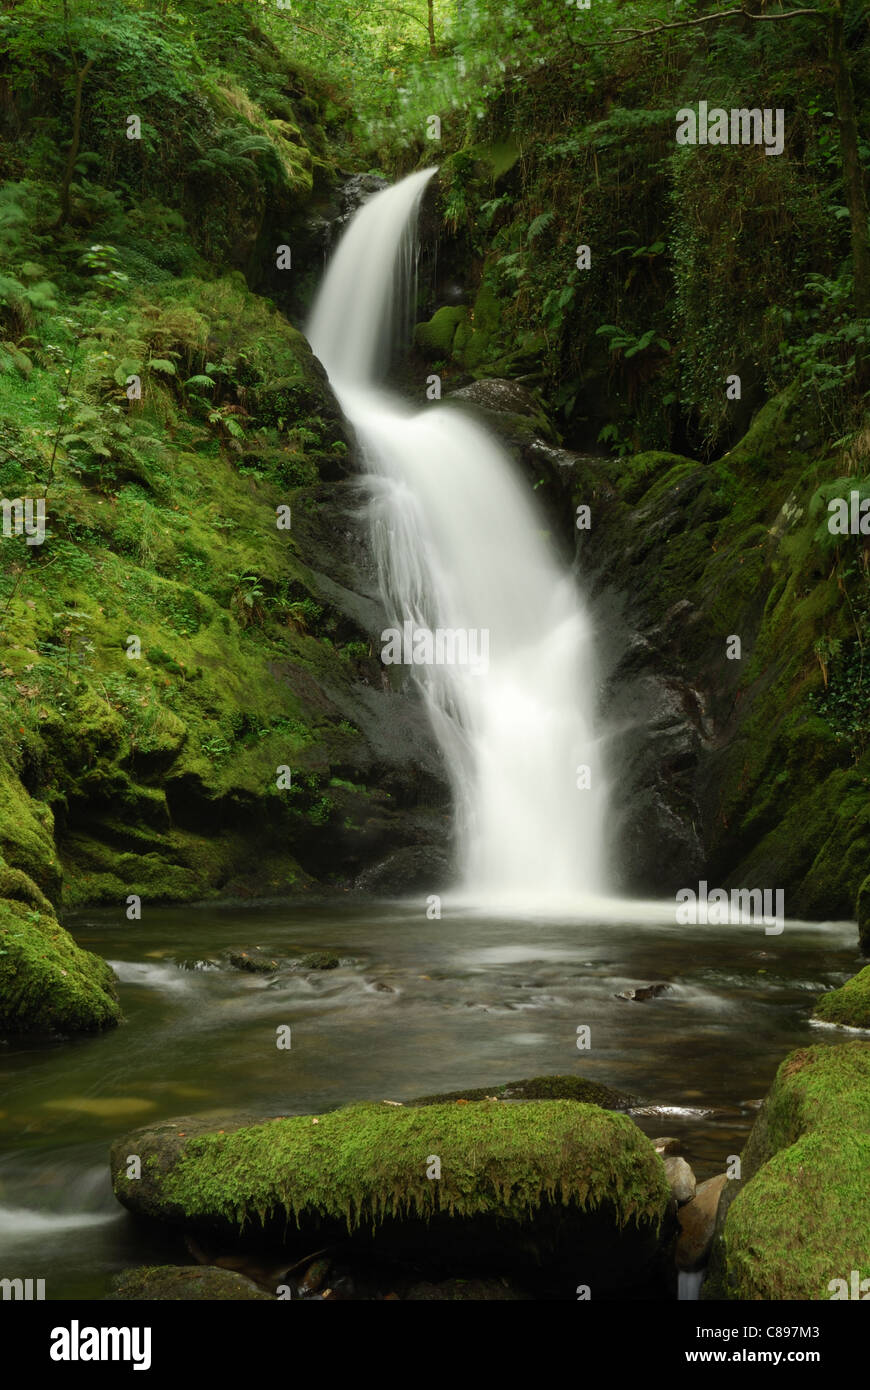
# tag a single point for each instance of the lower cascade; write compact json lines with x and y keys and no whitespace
{"x":487,"y":619}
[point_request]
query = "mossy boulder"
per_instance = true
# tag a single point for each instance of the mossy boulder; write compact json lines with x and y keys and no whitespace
{"x":849,"y":1005}
{"x":798,"y":1218}
{"x":555,"y":1184}
{"x":184,"y":1284}
{"x":48,"y":984}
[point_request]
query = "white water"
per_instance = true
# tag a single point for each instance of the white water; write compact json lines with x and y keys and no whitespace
{"x":461,"y":545}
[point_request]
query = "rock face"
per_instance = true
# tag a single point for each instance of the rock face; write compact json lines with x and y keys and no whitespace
{"x":849,"y":1005}
{"x":48,"y":984}
{"x":485,"y":1186}
{"x":798,"y":1218}
{"x":698,"y":1222}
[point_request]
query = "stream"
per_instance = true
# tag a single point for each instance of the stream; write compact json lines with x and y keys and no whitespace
{"x":415,"y":1007}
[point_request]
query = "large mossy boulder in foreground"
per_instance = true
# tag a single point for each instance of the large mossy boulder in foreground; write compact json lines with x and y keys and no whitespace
{"x":557,"y":1185}
{"x":799,"y":1218}
{"x":48,"y":984}
{"x":849,"y":1005}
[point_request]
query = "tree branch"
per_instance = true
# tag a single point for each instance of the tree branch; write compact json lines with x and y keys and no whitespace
{"x":635,"y":34}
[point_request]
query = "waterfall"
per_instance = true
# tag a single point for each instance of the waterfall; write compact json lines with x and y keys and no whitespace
{"x":462,"y":548}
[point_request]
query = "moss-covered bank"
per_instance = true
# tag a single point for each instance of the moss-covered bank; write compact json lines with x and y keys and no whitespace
{"x":799,"y":1216}
{"x":48,"y":984}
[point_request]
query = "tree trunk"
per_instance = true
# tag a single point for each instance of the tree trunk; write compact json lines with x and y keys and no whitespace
{"x":433,"y":51}
{"x":81,"y":74}
{"x":853,"y":178}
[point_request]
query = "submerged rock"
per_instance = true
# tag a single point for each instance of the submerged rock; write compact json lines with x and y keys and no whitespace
{"x":188,"y":1283}
{"x":643,"y":992}
{"x":253,"y":960}
{"x":320,"y":960}
{"x":539,"y":1088}
{"x":799,"y":1216}
{"x":485,"y":1187}
{"x":849,"y":1005}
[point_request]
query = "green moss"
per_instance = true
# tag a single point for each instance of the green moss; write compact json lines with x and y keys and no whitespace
{"x":849,"y":1005}
{"x":799,"y":1217}
{"x":435,"y":338}
{"x":48,"y":984}
{"x":366,"y":1163}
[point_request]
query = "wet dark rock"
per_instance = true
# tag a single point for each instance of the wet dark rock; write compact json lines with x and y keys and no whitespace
{"x":415,"y":869}
{"x":465,"y":1291}
{"x":253,"y":960}
{"x":642,"y":993}
{"x":314,"y":1277}
{"x":667,"y":1145}
{"x":320,"y":960}
{"x":539,"y":1088}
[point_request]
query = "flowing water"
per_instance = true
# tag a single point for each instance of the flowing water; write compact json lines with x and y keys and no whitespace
{"x":528,"y":950}
{"x":462,"y":548}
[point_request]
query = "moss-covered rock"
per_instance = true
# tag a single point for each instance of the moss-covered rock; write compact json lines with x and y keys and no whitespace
{"x":184,"y":1284}
{"x":798,"y":1217}
{"x":435,"y":338}
{"x":539,"y":1088}
{"x":849,"y":1005}
{"x":48,"y":984}
{"x":544,"y":1182}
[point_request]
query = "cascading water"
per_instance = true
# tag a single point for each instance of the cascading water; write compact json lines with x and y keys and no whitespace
{"x":461,"y":547}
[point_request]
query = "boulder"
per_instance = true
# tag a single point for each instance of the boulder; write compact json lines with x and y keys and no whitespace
{"x":697,"y":1223}
{"x":487,"y":1187}
{"x":797,"y":1219}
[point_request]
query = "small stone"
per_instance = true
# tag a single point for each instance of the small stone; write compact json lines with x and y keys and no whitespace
{"x":667,"y":1145}
{"x":681,"y":1178}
